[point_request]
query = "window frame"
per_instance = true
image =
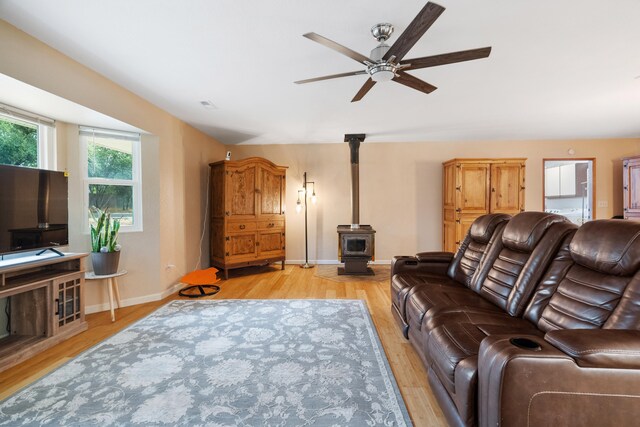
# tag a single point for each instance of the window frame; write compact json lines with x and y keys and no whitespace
{"x":135,"y":182}
{"x":46,"y":145}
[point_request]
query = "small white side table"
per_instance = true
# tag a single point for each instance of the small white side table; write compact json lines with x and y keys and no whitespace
{"x":112,"y":283}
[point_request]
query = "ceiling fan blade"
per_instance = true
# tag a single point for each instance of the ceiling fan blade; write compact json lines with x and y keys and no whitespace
{"x":366,"y":87}
{"x":446,"y":58}
{"x":333,"y":76}
{"x":414,"y":82}
{"x":420,"y":24}
{"x":337,"y":47}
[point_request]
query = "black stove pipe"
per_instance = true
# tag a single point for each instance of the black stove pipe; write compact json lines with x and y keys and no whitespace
{"x":354,"y":140}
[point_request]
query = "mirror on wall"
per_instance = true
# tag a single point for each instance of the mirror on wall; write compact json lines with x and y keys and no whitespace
{"x":568,"y":186}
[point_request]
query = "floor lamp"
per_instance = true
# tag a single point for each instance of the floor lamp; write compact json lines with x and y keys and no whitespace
{"x":314,"y":199}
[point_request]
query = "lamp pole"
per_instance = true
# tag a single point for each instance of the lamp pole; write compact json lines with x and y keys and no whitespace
{"x":305,"y":184}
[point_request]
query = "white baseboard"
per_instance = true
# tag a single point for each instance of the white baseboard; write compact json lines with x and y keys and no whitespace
{"x":332,"y":262}
{"x":134,"y":301}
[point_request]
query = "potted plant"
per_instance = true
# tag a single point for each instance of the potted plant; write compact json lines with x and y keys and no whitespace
{"x":105,"y":250}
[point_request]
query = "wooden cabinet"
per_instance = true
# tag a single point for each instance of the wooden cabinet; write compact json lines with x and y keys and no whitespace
{"x":475,"y":187}
{"x":247,"y":213}
{"x":631,"y":187}
{"x":46,"y":304}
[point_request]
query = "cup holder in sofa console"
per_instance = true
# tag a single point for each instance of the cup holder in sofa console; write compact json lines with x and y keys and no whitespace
{"x":526,"y":344}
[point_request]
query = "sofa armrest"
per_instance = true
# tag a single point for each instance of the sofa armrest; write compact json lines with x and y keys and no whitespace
{"x":599,"y":348}
{"x":422,"y":263}
{"x":542,"y":385}
{"x":435,"y":257}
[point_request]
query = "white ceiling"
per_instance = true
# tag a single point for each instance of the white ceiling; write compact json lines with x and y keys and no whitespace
{"x":558,"y":69}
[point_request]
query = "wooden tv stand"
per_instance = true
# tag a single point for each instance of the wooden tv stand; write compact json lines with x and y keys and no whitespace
{"x":46,"y":300}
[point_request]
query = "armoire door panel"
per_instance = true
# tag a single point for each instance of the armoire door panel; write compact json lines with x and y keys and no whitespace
{"x":241,"y":188}
{"x":473,"y":188}
{"x":242,"y":245}
{"x":506,"y":186}
{"x":270,"y":242}
{"x":271,"y":192}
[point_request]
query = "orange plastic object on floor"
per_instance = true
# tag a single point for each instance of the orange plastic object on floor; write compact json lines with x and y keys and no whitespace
{"x":201,"y":277}
{"x":201,"y":283}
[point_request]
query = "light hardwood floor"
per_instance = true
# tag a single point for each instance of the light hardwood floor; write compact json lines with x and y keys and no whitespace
{"x":262,"y":283}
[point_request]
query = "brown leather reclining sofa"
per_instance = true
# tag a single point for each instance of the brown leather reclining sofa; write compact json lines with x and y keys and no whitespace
{"x":533,"y":321}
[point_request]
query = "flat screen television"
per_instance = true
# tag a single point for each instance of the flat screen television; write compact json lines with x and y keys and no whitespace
{"x":33,"y":209}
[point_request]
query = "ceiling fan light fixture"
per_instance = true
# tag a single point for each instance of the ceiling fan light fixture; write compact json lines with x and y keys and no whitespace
{"x":382,"y":72}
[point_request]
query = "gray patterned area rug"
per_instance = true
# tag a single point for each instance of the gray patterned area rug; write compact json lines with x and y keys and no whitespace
{"x":225,"y":363}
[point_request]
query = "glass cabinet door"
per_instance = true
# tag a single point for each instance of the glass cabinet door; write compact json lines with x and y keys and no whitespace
{"x":68,"y":301}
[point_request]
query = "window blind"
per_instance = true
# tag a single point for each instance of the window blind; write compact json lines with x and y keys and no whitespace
{"x":108,"y":133}
{"x":17,"y":113}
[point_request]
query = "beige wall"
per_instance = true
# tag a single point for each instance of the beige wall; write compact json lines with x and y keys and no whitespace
{"x":174,"y":171}
{"x":401,"y":186}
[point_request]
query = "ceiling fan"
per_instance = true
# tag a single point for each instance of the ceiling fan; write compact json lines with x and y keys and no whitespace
{"x":386,"y":62}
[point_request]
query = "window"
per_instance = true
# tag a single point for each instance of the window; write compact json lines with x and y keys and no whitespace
{"x":26,"y":139}
{"x":112,"y":175}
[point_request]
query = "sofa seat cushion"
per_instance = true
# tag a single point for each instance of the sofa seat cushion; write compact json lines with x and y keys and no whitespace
{"x":429,"y":300}
{"x":450,"y":344}
{"x":478,"y":315}
{"x":402,"y":285}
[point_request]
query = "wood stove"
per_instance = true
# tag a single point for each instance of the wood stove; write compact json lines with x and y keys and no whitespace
{"x":356,"y":243}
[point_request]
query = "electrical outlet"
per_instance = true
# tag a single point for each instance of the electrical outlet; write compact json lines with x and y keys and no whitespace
{"x":603,"y":203}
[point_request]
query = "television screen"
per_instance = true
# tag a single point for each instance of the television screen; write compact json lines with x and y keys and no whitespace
{"x":33,"y":209}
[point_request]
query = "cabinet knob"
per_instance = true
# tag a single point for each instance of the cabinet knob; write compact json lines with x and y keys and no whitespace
{"x":242,"y":226}
{"x":459,"y":210}
{"x":458,"y":188}
{"x":458,"y":221}
{"x":227,"y":213}
{"x":493,"y":190}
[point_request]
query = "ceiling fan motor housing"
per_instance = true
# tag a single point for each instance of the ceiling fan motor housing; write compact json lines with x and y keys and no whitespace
{"x":378,"y":52}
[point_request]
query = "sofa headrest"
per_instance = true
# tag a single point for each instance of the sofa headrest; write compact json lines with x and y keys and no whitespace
{"x":525,"y":230}
{"x":484,"y":226}
{"x":610,"y":246}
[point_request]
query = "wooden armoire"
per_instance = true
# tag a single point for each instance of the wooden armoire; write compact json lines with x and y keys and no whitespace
{"x":631,"y":187}
{"x":247,"y":220}
{"x":475,"y":187}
